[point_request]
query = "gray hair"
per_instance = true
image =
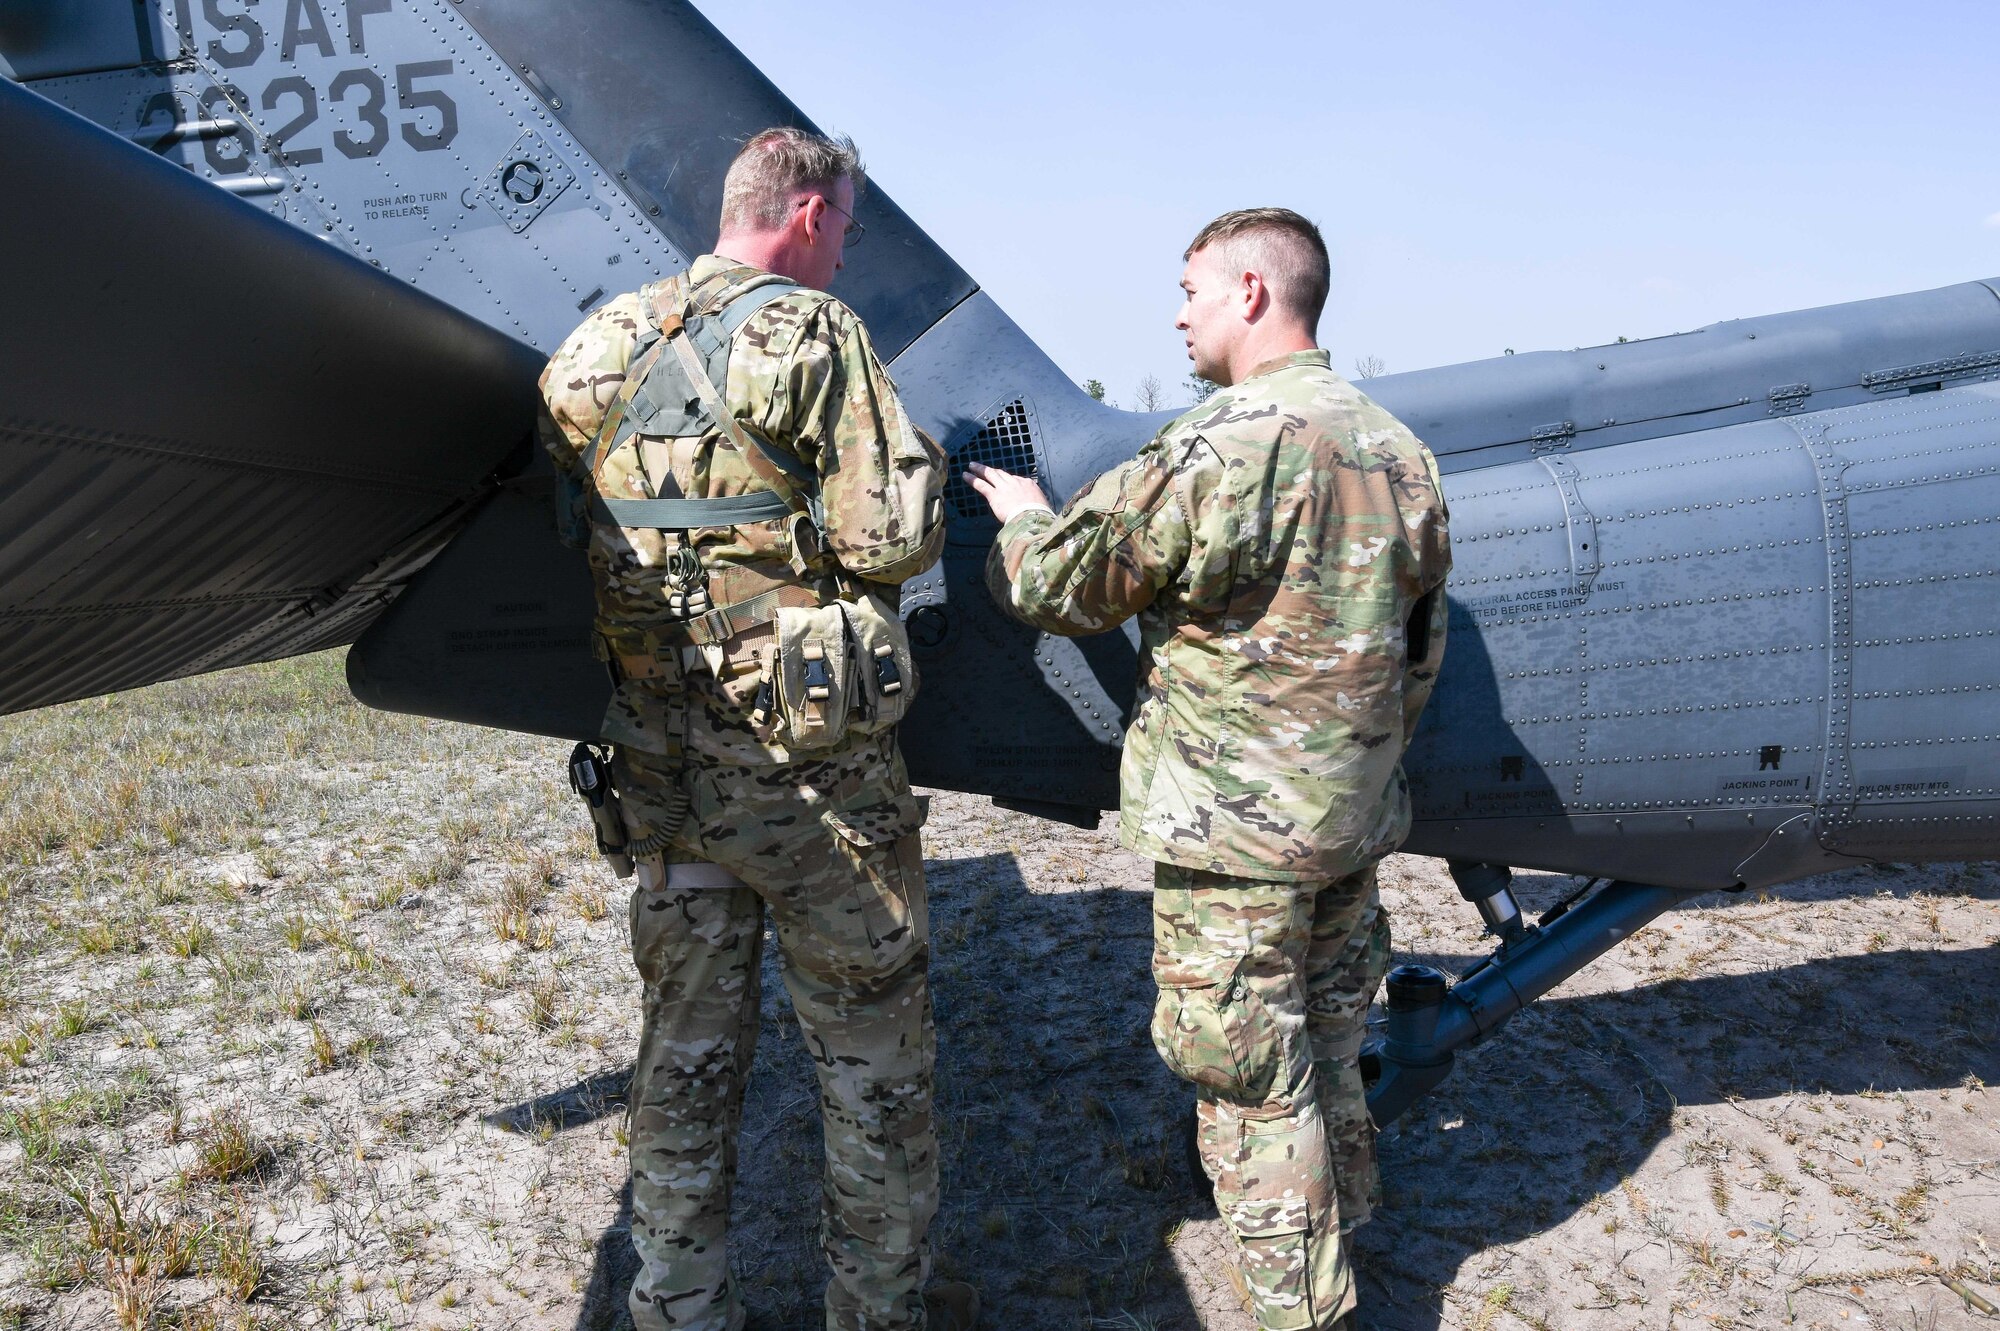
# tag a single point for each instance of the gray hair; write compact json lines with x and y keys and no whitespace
{"x":775,"y":167}
{"x":1278,"y":245}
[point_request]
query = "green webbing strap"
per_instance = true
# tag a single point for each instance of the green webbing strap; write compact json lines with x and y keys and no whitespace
{"x":651,"y":348}
{"x":732,"y":316}
{"x":686,"y":514}
{"x":781,"y":476}
{"x":614,"y":415}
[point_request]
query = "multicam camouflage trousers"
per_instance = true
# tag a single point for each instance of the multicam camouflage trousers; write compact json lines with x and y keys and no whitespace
{"x":831,"y":848}
{"x":1264,"y":994}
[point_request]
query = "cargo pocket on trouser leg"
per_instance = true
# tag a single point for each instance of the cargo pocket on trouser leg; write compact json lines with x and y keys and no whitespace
{"x":1275,"y":1192}
{"x":861,"y":910}
{"x":1293,"y":1264}
{"x":1221,"y":1036}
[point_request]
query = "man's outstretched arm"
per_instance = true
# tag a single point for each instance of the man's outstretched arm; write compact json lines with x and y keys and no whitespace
{"x":1097,"y":563}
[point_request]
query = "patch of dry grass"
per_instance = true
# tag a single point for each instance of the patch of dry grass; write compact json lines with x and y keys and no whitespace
{"x":209,"y":878}
{"x":517,"y":910}
{"x":227,"y":1149}
{"x":545,"y":1002}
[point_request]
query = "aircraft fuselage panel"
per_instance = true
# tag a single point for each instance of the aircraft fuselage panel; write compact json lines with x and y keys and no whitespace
{"x":1777,"y":618}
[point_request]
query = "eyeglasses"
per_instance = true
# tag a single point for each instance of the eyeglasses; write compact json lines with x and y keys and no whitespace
{"x":850,"y":234}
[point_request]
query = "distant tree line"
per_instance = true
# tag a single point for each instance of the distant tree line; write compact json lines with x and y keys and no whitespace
{"x":1149,"y":394}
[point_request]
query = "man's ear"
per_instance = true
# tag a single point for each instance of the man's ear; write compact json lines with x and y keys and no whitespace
{"x":799,"y":225}
{"x":812,"y":219}
{"x":1256,"y":296}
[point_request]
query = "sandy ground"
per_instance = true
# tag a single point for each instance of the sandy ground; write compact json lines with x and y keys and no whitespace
{"x":314,"y":1017}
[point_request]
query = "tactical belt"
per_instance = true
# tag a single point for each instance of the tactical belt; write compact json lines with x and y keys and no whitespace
{"x":705,"y":630}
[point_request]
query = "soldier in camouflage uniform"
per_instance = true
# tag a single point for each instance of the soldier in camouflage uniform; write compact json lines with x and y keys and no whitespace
{"x":726,"y":819}
{"x":1284,"y":545}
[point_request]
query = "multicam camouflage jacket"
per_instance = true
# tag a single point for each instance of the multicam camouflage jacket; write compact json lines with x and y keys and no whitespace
{"x":1275,"y":542}
{"x":804,"y":378}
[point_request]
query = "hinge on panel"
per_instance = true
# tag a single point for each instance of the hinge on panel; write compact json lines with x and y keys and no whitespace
{"x":1585,"y":560}
{"x":1983,"y":364}
{"x":640,"y":195}
{"x":541,"y":87}
{"x":1548,"y":438}
{"x":1788,"y":398}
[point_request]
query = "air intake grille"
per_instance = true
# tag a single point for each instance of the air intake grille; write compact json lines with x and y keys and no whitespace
{"x":1007,"y":441}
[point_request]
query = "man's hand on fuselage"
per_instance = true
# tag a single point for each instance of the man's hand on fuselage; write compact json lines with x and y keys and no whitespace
{"x":1005,"y":493}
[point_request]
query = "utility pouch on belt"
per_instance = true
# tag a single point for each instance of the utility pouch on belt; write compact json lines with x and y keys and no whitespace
{"x":590,"y":778}
{"x":885,"y":676}
{"x":813,"y":677}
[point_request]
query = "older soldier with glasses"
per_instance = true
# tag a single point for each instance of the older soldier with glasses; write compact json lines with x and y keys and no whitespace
{"x":750,"y":492}
{"x":1284,"y":547}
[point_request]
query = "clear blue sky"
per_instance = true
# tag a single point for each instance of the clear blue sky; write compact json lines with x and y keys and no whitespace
{"x":1524,"y":175}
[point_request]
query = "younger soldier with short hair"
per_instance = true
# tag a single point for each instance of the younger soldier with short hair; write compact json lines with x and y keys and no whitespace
{"x":1284,"y":545}
{"x":753,"y":492}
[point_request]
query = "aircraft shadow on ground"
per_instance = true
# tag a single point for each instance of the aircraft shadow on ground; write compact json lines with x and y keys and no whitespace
{"x":1061,"y":1133}
{"x":1059,"y":1128}
{"x":1571,"y":1098}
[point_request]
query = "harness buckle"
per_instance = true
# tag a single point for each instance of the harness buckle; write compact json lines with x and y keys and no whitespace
{"x":818,"y":681}
{"x":711,"y":628}
{"x":683,"y":569}
{"x":888,"y":679}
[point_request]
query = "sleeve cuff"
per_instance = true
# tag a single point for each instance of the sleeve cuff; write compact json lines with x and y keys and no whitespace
{"x":1019,"y":524}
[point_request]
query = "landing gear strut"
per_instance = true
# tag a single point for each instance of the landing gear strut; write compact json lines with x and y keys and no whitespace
{"x":1430,"y":1019}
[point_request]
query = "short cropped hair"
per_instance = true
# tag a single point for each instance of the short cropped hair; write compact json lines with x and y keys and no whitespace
{"x":1280,"y":246}
{"x":775,"y":166}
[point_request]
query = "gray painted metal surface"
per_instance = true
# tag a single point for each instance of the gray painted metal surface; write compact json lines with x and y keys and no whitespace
{"x":1705,"y":660}
{"x":1729,"y":373}
{"x":1721,"y":609}
{"x":188,"y":478}
{"x":663,"y":101}
{"x":391,"y":129}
